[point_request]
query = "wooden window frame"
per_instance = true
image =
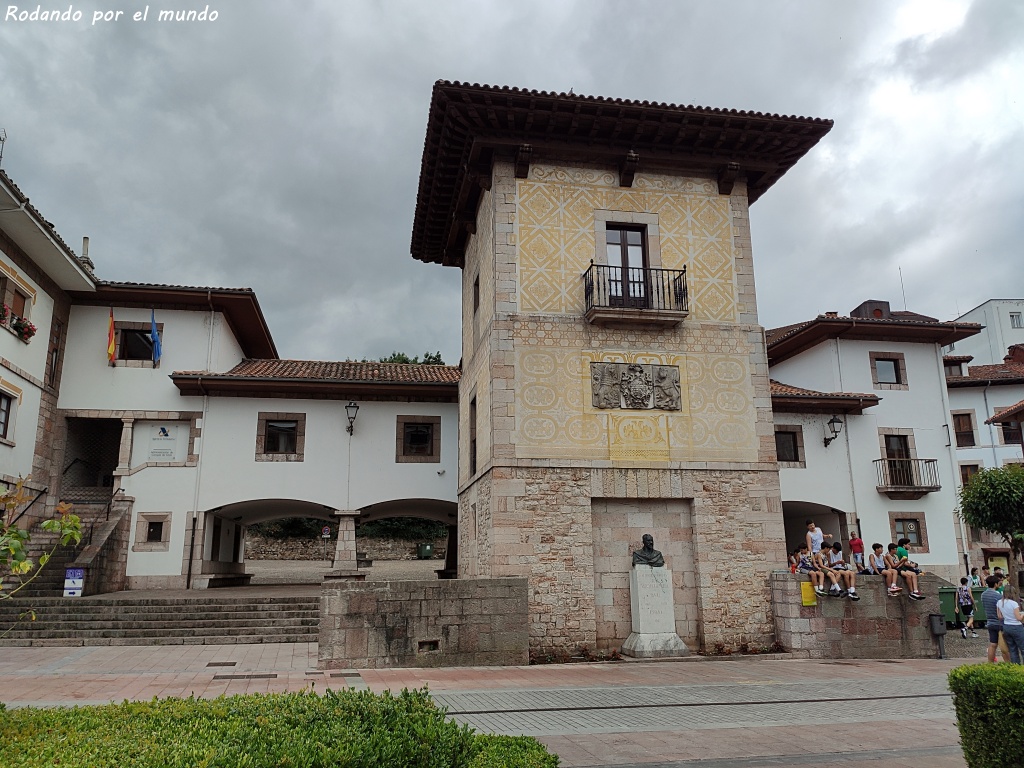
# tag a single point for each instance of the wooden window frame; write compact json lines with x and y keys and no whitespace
{"x":7,"y":401}
{"x":971,"y":416}
{"x":434,"y":457}
{"x":966,"y":465}
{"x":922,"y":530}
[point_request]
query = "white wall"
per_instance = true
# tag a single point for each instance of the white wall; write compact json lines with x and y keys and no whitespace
{"x":989,"y":450}
{"x":30,"y":358}
{"x":339,"y":471}
{"x":844,"y":366}
{"x":989,"y":347}
{"x":90,"y":382}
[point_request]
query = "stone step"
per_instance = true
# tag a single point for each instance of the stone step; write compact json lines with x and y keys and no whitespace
{"x":198,"y":601}
{"x":48,"y":623}
{"x":105,"y":641}
{"x":169,"y":632}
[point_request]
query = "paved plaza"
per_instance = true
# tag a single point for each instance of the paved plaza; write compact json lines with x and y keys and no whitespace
{"x":708,"y":713}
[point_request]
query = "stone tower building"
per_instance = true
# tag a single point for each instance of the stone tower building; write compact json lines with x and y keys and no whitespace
{"x":614,"y":375}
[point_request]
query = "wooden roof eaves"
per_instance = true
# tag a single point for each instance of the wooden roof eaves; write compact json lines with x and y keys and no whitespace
{"x":261,"y":386}
{"x":788,"y":403}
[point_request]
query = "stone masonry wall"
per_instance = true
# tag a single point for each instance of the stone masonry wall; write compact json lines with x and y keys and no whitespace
{"x":263,"y":548}
{"x":876,"y":627}
{"x":470,"y":622}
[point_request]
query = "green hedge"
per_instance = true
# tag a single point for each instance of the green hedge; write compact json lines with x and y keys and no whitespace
{"x":341,"y":729}
{"x":989,"y":701}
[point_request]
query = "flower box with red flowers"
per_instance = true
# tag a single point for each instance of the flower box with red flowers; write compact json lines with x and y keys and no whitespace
{"x":22,"y":328}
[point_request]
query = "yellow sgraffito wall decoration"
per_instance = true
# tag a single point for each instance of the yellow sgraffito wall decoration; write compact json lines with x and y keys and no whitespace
{"x":556,"y":418}
{"x":556,"y":235}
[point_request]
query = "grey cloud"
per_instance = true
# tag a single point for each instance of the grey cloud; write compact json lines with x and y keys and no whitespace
{"x":278,"y":148}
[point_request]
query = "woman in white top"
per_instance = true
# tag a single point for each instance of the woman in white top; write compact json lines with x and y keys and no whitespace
{"x":1008,"y":611}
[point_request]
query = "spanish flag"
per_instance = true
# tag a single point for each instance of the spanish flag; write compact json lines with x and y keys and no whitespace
{"x":110,"y":338}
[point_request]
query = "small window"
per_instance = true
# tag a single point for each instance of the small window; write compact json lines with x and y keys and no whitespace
{"x":908,"y":528}
{"x":786,"y":446}
{"x":53,"y":354}
{"x":19,"y":304}
{"x":888,"y":371}
{"x":954,"y":369}
{"x":154,"y":531}
{"x":1011,"y":433}
{"x":6,"y":403}
{"x":967,"y":471}
{"x":281,"y":437}
{"x":1016,"y":320}
{"x":472,"y":437}
{"x":135,"y":345}
{"x":963,"y":426}
{"x":476,"y":294}
{"x":418,"y":439}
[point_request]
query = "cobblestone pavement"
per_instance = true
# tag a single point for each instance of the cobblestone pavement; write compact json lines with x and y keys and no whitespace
{"x":743,"y":712}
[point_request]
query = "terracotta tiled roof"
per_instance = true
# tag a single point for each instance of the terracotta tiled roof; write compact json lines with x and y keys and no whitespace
{"x":957,"y":358}
{"x":469,"y":126}
{"x":789,"y":340}
{"x":778,"y":388}
{"x":1013,"y":413}
{"x":171,"y":287}
{"x":347,"y":371}
{"x":1006,"y":372}
{"x":47,"y":224}
{"x":789,"y":399}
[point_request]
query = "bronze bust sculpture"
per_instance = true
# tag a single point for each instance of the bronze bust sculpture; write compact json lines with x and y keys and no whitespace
{"x":648,"y":555}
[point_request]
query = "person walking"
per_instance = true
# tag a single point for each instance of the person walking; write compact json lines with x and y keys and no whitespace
{"x":1013,"y":623}
{"x":965,"y":607}
{"x":989,"y":598}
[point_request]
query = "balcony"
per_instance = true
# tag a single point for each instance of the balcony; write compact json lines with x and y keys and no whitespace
{"x":907,"y":478}
{"x":635,"y":296}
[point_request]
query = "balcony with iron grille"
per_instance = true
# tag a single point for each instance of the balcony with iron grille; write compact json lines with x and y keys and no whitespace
{"x":635,"y":296}
{"x":907,"y":478}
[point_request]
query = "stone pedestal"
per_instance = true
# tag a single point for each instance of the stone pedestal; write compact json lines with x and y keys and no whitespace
{"x":653,"y":615}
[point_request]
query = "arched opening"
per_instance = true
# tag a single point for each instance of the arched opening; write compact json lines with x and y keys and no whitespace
{"x":830,"y":520}
{"x":217,"y":551}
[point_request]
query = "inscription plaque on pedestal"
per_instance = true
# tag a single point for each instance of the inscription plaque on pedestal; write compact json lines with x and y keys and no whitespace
{"x":653,"y":615}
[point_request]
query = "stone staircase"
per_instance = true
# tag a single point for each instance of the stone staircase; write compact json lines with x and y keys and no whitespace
{"x":127,"y":620}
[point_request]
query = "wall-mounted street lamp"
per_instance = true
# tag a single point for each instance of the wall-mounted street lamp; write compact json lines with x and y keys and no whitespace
{"x":835,"y":426}
{"x":351,"y":410}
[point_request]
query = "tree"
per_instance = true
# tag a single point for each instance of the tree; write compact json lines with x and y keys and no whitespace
{"x":429,"y":358}
{"x":17,"y":569}
{"x":993,"y":500}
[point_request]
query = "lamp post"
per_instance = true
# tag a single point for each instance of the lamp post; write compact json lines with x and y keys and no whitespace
{"x":835,"y":426}
{"x":351,"y":410}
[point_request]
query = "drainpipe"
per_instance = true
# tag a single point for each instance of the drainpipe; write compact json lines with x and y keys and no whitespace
{"x":202,"y":450}
{"x":846,"y":440}
{"x":944,"y":392}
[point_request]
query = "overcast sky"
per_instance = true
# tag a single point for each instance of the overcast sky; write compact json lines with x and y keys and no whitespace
{"x":278,"y":146}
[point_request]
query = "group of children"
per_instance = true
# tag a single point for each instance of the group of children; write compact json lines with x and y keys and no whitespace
{"x":820,"y":563}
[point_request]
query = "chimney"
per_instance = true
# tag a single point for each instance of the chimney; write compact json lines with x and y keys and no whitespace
{"x":1015,"y":354}
{"x":85,"y":254}
{"x":831,"y":314}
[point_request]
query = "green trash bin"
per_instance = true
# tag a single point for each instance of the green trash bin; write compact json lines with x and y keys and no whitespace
{"x":424,"y":551}
{"x":947,"y":603}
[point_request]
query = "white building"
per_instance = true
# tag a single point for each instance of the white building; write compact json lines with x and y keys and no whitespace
{"x":984,"y":400}
{"x":1004,"y":326}
{"x":886,"y":467}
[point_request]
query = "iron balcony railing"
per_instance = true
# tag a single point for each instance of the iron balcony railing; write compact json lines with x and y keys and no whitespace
{"x":918,"y":474}
{"x":606,"y":287}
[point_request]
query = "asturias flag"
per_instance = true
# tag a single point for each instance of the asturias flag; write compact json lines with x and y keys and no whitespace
{"x":155,"y":336}
{"x":110,"y":337}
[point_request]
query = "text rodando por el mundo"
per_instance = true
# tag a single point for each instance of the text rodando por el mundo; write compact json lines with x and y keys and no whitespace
{"x":17,"y":13}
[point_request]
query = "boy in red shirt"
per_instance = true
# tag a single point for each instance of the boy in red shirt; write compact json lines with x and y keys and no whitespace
{"x":857,"y":548}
